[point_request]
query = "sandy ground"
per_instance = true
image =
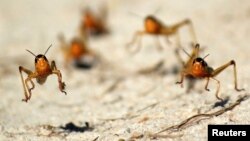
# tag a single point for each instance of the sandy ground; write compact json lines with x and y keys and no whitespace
{"x":138,"y":104}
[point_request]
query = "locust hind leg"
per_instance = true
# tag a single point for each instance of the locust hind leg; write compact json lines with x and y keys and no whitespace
{"x":159,"y":45}
{"x":223,"y":67}
{"x":137,"y":36}
{"x":188,"y":22}
{"x":191,"y":30}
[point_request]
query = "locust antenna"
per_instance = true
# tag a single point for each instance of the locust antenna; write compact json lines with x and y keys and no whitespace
{"x":186,"y":52}
{"x":157,"y":10}
{"x":135,"y":14}
{"x":47,"y":49}
{"x":31,"y":52}
{"x":205,"y":56}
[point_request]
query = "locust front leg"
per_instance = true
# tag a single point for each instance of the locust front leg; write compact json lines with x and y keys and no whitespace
{"x":218,"y":89}
{"x":31,"y":75}
{"x":29,"y":79}
{"x":182,"y":79}
{"x":59,"y":75}
{"x":207,"y":84}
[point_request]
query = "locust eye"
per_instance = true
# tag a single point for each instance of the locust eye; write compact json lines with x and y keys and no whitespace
{"x":40,"y":56}
{"x":204,"y":64}
{"x":201,"y":61}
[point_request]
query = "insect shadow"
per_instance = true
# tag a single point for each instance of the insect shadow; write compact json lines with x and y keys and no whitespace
{"x":71,"y":127}
{"x":221,"y":103}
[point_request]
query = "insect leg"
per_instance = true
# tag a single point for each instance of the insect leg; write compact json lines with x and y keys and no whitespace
{"x":59,"y":75}
{"x":191,"y":28}
{"x":207,"y":84}
{"x":159,"y":46}
{"x":29,"y":79}
{"x":28,"y":72}
{"x":137,"y":35}
{"x":220,"y":69}
{"x":182,"y":79}
{"x":217,"y":90}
